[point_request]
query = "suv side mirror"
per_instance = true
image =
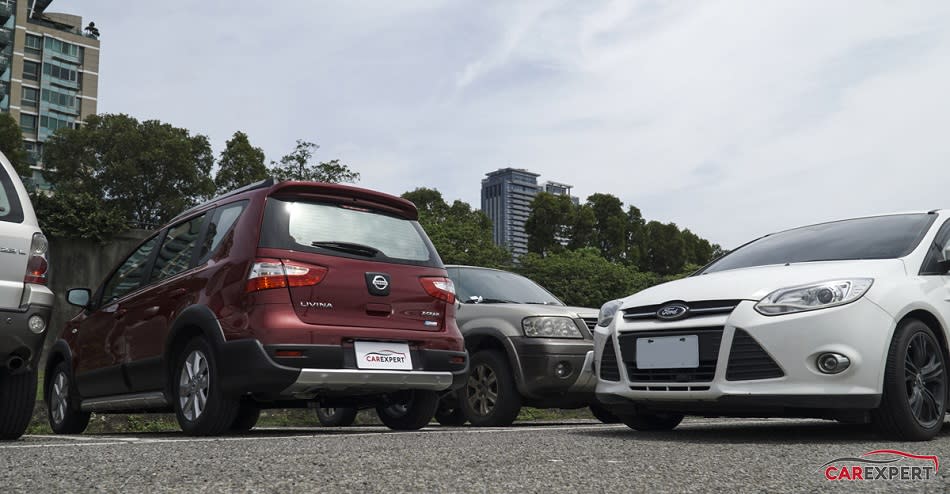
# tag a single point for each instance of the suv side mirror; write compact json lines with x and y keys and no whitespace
{"x":79,"y":297}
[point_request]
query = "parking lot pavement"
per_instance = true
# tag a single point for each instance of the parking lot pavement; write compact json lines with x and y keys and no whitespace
{"x":702,"y":455}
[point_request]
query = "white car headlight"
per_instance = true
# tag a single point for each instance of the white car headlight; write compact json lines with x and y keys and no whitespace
{"x":607,"y":312}
{"x":815,"y":296}
{"x":550,"y":327}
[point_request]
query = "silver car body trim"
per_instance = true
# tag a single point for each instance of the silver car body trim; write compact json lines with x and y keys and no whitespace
{"x":136,"y":401}
{"x":311,"y":381}
{"x":586,"y":379}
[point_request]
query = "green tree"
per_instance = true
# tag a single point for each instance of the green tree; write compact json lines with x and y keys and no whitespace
{"x":582,"y":227}
{"x":78,"y":215}
{"x":635,"y":241}
{"x":297,"y":166}
{"x":147,"y":171}
{"x":460,"y":234}
{"x":698,"y":250}
{"x":583,"y":277}
{"x":549,"y":223}
{"x":240,"y":164}
{"x":11,"y":143}
{"x":610,"y":226}
{"x":665,"y":249}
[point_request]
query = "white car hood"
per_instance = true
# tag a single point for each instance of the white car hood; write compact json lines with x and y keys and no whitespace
{"x":757,"y":282}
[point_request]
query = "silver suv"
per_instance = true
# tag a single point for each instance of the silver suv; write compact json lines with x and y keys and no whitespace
{"x":25,"y":302}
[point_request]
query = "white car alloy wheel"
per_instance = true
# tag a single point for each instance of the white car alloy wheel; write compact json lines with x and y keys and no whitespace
{"x":194,"y":385}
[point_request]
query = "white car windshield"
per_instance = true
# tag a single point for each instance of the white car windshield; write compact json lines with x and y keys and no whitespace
{"x":878,"y":237}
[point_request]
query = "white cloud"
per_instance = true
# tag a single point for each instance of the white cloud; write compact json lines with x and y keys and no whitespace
{"x":731,"y":118}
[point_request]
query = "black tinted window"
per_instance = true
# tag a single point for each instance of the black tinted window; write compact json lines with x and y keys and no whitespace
{"x":345,"y":231}
{"x":10,"y":209}
{"x":177,"y":249}
{"x":491,"y":286}
{"x":221,"y":223}
{"x":131,"y":274}
{"x":879,"y":237}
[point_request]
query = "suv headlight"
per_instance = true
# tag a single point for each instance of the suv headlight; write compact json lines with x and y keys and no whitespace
{"x":815,"y":296}
{"x":550,"y":327}
{"x":607,"y":312}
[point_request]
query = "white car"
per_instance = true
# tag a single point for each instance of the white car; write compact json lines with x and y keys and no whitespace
{"x":25,"y":303}
{"x":845,"y":320}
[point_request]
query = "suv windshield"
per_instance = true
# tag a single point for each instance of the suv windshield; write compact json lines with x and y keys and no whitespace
{"x":879,"y":237}
{"x":345,"y":231}
{"x":491,"y":286}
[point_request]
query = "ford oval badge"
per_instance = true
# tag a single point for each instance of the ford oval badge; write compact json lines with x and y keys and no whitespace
{"x":672,"y":312}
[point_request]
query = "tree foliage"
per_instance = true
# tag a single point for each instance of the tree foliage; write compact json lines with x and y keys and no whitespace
{"x":583,"y":277}
{"x":78,"y":215}
{"x":551,"y":222}
{"x":144,"y":172}
{"x":240,"y":164}
{"x":460,"y":234}
{"x":297,"y":166}
{"x":11,"y":143}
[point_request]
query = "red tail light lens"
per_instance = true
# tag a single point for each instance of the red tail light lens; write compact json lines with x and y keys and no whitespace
{"x":37,"y":266}
{"x":274,"y":273}
{"x":439,"y":287}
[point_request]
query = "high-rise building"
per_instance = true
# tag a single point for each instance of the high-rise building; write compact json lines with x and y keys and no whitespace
{"x":49,"y":71}
{"x":506,"y":199}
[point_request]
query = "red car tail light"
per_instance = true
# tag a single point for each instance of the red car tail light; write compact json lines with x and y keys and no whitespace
{"x":439,"y":287}
{"x":37,"y":266}
{"x":274,"y":273}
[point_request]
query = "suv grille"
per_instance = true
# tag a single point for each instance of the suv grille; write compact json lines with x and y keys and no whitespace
{"x":608,"y":362}
{"x":591,"y":322}
{"x":698,"y":308}
{"x":709,"y":340}
{"x":749,"y":361}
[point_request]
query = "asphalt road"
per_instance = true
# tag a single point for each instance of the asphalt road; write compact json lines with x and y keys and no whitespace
{"x":702,"y":455}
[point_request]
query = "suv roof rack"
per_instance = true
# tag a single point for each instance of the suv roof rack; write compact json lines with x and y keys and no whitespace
{"x":263,"y":184}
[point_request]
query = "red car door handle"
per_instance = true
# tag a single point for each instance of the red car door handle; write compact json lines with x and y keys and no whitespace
{"x":120,"y":313}
{"x":177,"y":292}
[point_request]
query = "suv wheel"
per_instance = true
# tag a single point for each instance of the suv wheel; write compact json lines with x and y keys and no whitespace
{"x":17,"y":396}
{"x":647,"y":422}
{"x":408,"y":410}
{"x":201,"y":407}
{"x":490,"y":397}
{"x":914,"y":402}
{"x":449,"y":412}
{"x":602,"y":414}
{"x":64,"y":417}
{"x":336,"y":417}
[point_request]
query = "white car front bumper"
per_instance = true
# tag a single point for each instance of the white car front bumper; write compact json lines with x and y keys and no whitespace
{"x":734,"y":378}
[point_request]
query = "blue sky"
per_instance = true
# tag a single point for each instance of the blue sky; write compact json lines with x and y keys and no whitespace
{"x":731,"y":118}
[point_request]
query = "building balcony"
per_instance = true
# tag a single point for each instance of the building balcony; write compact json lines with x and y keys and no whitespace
{"x":6,"y":38}
{"x":6,"y":10}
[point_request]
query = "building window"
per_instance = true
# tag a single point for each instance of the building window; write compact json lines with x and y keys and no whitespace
{"x":59,"y":99}
{"x":62,"y":47}
{"x":34,"y":44}
{"x":31,"y":70}
{"x":30,"y":97}
{"x":59,"y":72}
{"x":28,"y":122}
{"x":53,"y":123}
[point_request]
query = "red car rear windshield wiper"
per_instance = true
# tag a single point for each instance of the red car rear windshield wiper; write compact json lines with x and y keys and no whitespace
{"x":348,"y":247}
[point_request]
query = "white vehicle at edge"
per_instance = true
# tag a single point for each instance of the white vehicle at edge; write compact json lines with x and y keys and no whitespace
{"x":844,"y":320}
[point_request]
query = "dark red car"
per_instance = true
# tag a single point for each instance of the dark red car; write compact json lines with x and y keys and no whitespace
{"x":276,"y":295}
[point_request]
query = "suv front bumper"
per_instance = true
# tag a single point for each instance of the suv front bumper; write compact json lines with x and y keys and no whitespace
{"x":539,"y":359}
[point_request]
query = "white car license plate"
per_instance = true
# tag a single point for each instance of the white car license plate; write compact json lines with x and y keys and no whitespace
{"x":668,"y":352}
{"x":380,"y":355}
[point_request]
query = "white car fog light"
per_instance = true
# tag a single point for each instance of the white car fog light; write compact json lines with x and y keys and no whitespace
{"x":832,"y":363}
{"x":37,"y":324}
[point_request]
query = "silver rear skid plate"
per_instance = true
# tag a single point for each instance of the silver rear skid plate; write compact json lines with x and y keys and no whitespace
{"x":313,"y":380}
